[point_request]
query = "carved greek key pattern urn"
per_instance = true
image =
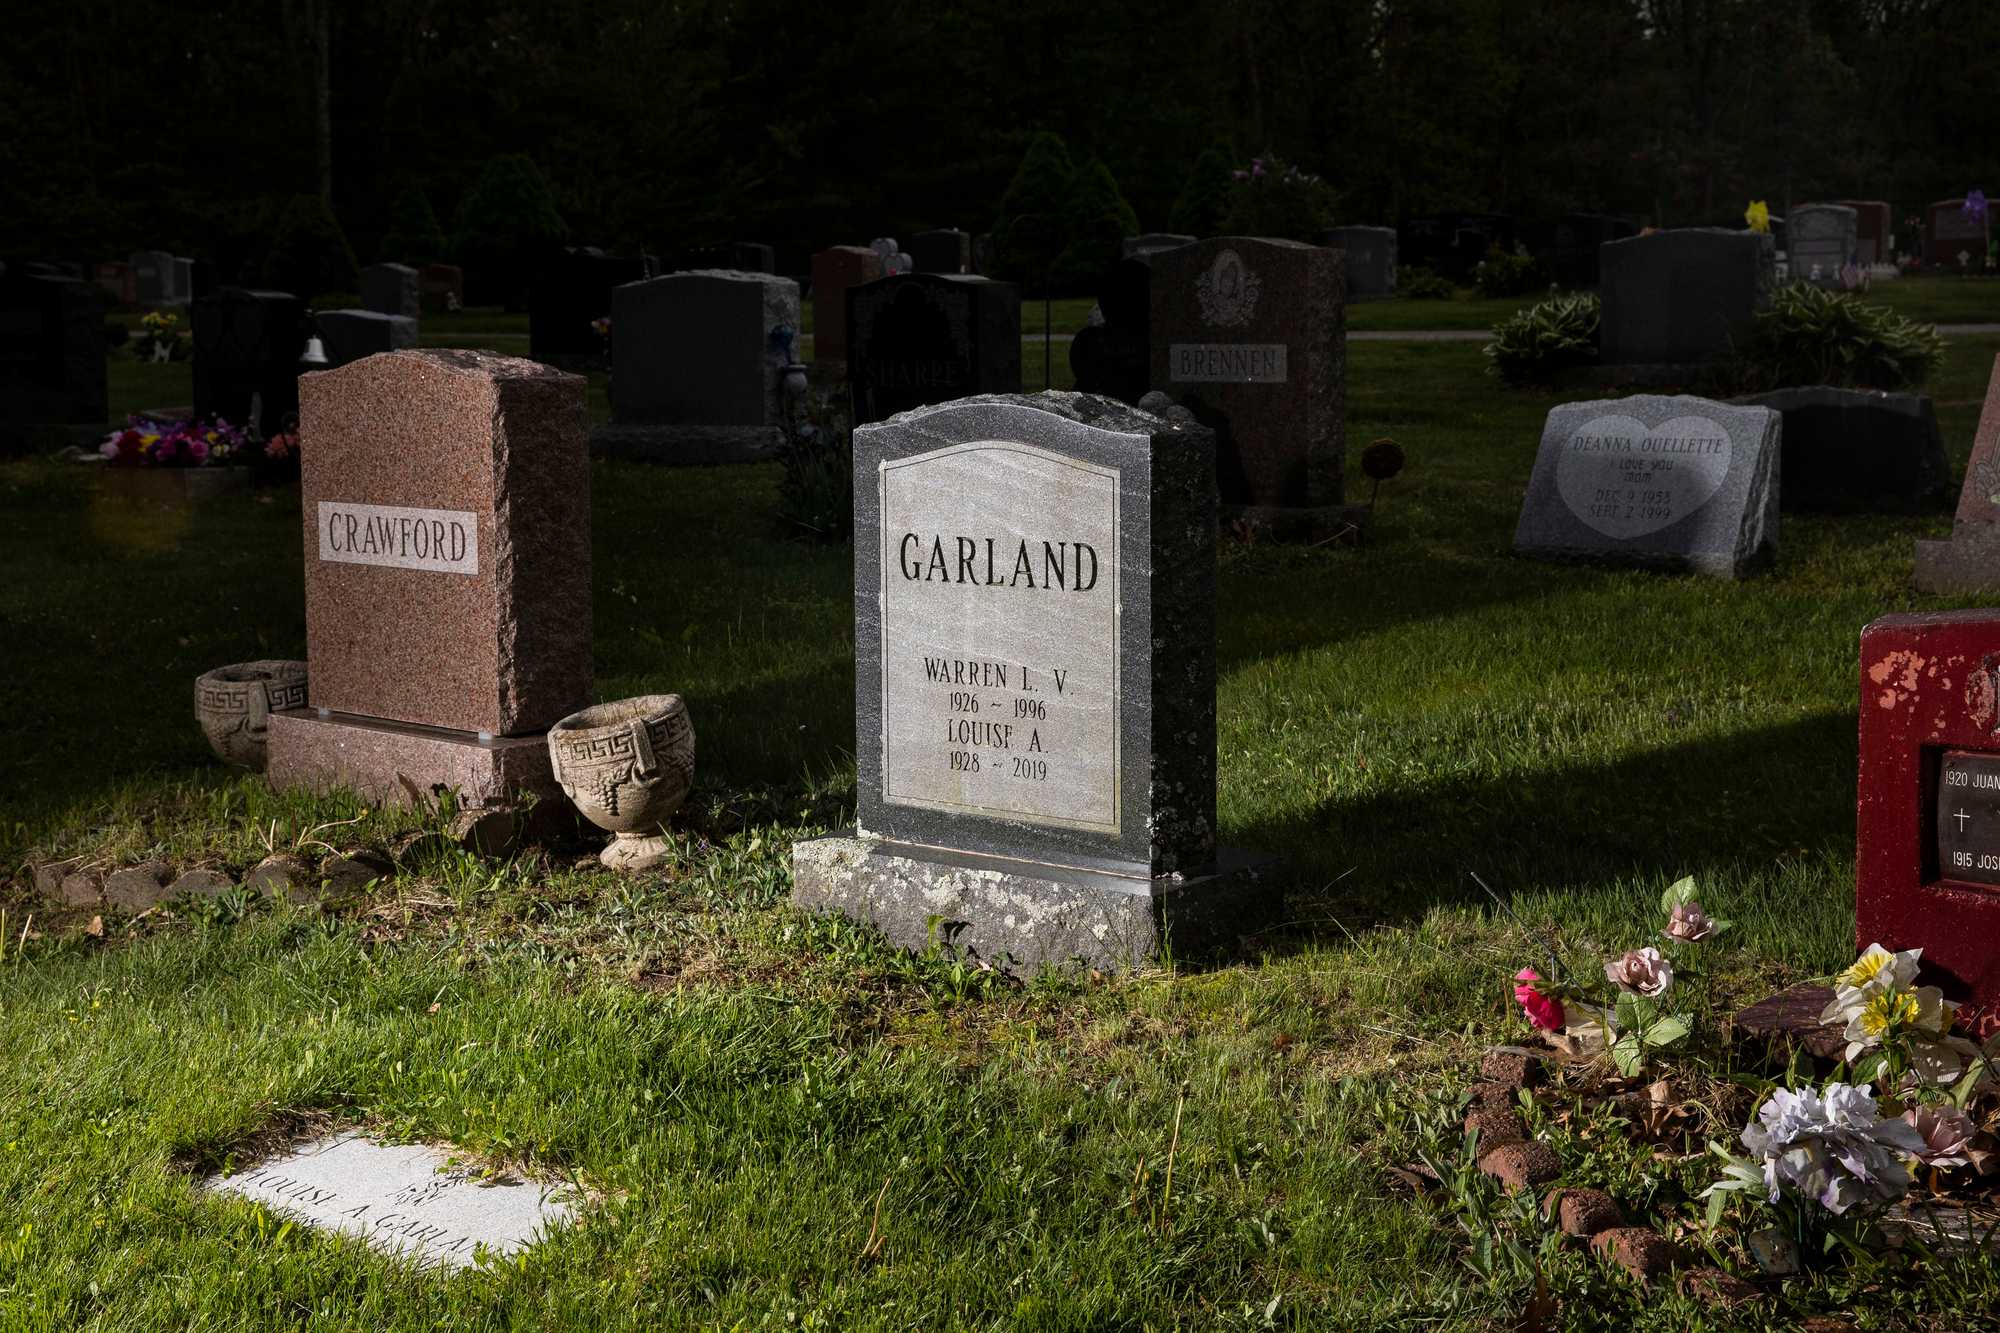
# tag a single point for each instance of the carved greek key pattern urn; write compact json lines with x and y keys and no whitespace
{"x":627,"y":765}
{"x":233,"y":704}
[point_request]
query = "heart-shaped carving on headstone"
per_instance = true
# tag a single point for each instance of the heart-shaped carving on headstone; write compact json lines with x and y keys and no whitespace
{"x":1626,"y":479}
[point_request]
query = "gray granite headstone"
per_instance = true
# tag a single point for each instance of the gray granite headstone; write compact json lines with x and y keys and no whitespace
{"x":390,"y":289}
{"x":155,"y":277}
{"x":407,"y":1199}
{"x":1034,"y":685}
{"x":1819,"y":239}
{"x":696,"y":363}
{"x":1675,"y":483}
{"x":1850,"y":451}
{"x":1371,"y":260}
{"x":1681,"y":297}
{"x":349,"y":335}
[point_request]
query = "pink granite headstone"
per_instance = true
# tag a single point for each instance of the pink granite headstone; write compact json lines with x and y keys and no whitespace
{"x":446,"y":499}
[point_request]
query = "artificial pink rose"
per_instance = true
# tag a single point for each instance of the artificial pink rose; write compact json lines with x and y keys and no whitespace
{"x":1544,"y":1011}
{"x":1688,"y":922}
{"x":1643,"y":971}
{"x":1946,"y":1132}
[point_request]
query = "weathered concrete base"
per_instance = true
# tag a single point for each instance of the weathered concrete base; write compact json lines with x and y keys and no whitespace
{"x":1287,"y":524}
{"x":384,"y":760}
{"x":1961,"y":565}
{"x":688,"y":446}
{"x":1021,"y":916}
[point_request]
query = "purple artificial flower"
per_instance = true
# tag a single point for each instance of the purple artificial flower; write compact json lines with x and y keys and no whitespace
{"x":1975,"y":205}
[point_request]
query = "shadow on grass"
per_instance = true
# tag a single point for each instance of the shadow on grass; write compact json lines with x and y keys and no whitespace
{"x":1719,"y":808}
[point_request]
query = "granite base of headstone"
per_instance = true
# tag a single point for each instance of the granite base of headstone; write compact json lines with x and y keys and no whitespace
{"x":391,"y":289}
{"x":1035,"y":690}
{"x":1371,"y":260}
{"x":697,"y":368}
{"x":1851,"y":451}
{"x":1670,"y":483}
{"x":349,"y":335}
{"x":1968,"y":562}
{"x":446,"y":499}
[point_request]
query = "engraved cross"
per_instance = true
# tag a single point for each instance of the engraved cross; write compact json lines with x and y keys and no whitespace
{"x":1961,"y":817}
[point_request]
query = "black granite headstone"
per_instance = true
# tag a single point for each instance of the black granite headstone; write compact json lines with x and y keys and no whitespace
{"x":919,"y":338}
{"x":247,"y":346}
{"x":51,"y":358}
{"x":570,"y":292}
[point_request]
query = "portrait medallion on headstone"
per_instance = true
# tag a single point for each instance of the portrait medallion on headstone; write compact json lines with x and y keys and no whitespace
{"x":1035,"y":677}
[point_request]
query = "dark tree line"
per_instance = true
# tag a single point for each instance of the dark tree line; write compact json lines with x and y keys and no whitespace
{"x":157,"y":123}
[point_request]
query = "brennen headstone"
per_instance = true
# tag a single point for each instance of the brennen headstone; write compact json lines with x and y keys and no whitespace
{"x":1034,"y":687}
{"x":446,"y":499}
{"x":1672,"y":483}
{"x":1249,"y":334}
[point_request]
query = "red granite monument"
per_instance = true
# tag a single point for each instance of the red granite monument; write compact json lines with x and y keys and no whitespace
{"x":446,"y":499}
{"x":1927,"y":864}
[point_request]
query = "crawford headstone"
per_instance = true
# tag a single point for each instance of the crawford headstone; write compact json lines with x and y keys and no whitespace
{"x":1955,"y":230}
{"x":1852,"y":451}
{"x":1969,"y":561}
{"x":1820,"y":240}
{"x":835,"y":271}
{"x":1249,"y":334}
{"x":1371,"y":260}
{"x":446,"y":499}
{"x":1673,"y":483}
{"x":1034,"y":687}
{"x":53,"y":388}
{"x":409,"y":1200}
{"x":391,"y":289}
{"x":915,"y":339}
{"x":696,"y":368}
{"x":247,"y":346}
{"x":349,"y":335}
{"x":1681,"y":297}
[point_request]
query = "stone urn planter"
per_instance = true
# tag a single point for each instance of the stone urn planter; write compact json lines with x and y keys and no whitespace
{"x":233,"y":703}
{"x":628,"y":765}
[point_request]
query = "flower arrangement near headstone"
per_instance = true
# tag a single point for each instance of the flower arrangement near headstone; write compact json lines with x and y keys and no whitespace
{"x":1272,"y":197}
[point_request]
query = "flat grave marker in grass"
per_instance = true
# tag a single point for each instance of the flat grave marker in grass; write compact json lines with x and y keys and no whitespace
{"x":1035,"y":686}
{"x":406,"y":1199}
{"x":1675,"y":483}
{"x":446,"y":506}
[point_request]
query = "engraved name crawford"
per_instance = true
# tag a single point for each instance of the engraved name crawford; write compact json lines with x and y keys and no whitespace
{"x":441,"y":541}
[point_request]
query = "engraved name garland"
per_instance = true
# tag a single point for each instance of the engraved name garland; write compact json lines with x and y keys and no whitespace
{"x":1000,"y":635}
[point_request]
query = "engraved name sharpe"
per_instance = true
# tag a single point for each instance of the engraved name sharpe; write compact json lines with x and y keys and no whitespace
{"x":438,"y":541}
{"x":1000,"y":625}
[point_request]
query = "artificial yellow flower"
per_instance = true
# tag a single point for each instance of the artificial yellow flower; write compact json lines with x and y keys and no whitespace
{"x":1758,"y":216}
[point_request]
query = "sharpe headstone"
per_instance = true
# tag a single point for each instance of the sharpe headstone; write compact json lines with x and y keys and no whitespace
{"x":943,"y":251}
{"x":1820,"y":240}
{"x":696,"y":368}
{"x":1849,"y":451}
{"x":247,"y":346}
{"x":915,"y":339}
{"x":1034,"y":687}
{"x":1954,"y":231}
{"x":53,"y":387}
{"x":1969,"y":561}
{"x":391,"y":289}
{"x":410,"y":1200}
{"x":1371,"y":260}
{"x":349,"y":335}
{"x":1927,"y":857}
{"x":1249,"y":334}
{"x":1677,"y":298}
{"x":446,"y":499}
{"x":1673,"y":483}
{"x":835,"y":271}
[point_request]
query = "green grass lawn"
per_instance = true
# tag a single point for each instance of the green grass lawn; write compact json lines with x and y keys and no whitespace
{"x":760,"y":1097}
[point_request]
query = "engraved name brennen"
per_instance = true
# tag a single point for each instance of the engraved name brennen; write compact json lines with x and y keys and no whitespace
{"x":1000,"y":624}
{"x":443,"y":541}
{"x":1227,"y":363}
